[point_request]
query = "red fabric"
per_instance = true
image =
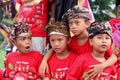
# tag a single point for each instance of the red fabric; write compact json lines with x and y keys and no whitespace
{"x":118,"y":68}
{"x":34,"y":14}
{"x":114,"y":21}
{"x":1,"y":74}
{"x":58,"y":67}
{"x":24,"y":65}
{"x":85,"y":48}
{"x":80,"y":67}
{"x":79,"y":49}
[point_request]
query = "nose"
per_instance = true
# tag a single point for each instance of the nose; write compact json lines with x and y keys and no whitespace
{"x":27,"y":41}
{"x":104,"y":40}
{"x":56,"y":43}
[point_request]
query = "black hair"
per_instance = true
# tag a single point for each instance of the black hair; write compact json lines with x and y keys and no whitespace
{"x":117,"y":3}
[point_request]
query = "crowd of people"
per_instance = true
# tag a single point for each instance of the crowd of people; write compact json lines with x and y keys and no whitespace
{"x":45,"y":50}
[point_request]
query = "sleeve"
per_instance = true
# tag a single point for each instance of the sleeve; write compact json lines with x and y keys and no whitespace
{"x":39,"y":59}
{"x":75,"y":69}
{"x":7,"y":69}
{"x":113,"y":73}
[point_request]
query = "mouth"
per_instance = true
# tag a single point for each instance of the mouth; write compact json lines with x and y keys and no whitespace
{"x":104,"y":46}
{"x":27,"y":48}
{"x":57,"y":49}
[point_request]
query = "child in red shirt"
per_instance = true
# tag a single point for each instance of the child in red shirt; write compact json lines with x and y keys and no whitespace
{"x":22,"y":64}
{"x":100,"y":40}
{"x":62,"y":58}
{"x":116,"y":47}
{"x":78,"y":20}
{"x":35,"y":14}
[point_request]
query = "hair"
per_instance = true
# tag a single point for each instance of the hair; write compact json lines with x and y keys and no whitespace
{"x":117,"y":3}
{"x":18,"y":29}
{"x":57,"y":27}
{"x":76,"y":12}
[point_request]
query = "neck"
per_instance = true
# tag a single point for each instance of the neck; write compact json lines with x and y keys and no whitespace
{"x":63,"y":54}
{"x":99,"y":55}
{"x":83,"y":35}
{"x":82,"y":38}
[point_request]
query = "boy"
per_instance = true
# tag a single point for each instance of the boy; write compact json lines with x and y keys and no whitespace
{"x":100,"y":40}
{"x":116,"y":47}
{"x":77,"y":19}
{"x":22,"y":64}
{"x":35,"y":14}
{"x":62,"y":58}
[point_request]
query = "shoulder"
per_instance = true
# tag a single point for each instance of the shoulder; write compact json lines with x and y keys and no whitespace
{"x":36,"y":53}
{"x":12,"y":54}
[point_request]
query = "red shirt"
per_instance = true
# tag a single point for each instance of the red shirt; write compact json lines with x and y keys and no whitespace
{"x":79,"y":49}
{"x":58,"y":67}
{"x":35,"y":16}
{"x":118,"y":68}
{"x":23,"y":65}
{"x":1,"y":74}
{"x":80,"y":67}
{"x":114,"y":21}
{"x":85,"y":48}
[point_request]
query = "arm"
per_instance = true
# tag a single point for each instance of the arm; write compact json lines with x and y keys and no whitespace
{"x":97,"y":69}
{"x":44,"y":66}
{"x":17,"y":7}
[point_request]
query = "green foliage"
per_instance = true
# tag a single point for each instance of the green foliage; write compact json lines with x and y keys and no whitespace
{"x":101,"y":9}
{"x":2,"y":57}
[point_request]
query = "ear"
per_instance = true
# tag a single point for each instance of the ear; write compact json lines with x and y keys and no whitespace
{"x":87,"y":24}
{"x":118,"y":8}
{"x":91,"y":41}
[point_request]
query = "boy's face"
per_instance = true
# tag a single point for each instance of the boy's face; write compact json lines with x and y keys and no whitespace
{"x":78,"y":25}
{"x":23,"y":42}
{"x":101,"y":42}
{"x":58,"y":43}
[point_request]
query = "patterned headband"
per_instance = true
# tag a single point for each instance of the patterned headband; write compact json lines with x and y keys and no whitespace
{"x":57,"y":28}
{"x":19,"y":28}
{"x":98,"y":28}
{"x":76,"y":12}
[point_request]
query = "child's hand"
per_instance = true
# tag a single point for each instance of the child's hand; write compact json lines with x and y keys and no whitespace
{"x":95,"y":70}
{"x":43,"y":68}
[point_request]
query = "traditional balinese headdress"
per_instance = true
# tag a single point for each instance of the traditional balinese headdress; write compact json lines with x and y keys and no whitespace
{"x":98,"y":28}
{"x":57,"y":28}
{"x":76,"y":12}
{"x":19,"y":28}
{"x":116,"y":35}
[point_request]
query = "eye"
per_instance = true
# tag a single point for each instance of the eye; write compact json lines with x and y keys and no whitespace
{"x":52,"y":40}
{"x":22,"y":38}
{"x":77,"y":22}
{"x":108,"y":37}
{"x":99,"y":37}
{"x":60,"y":39}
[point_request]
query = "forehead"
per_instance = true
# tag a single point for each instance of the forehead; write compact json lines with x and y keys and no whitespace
{"x":103,"y":34}
{"x":57,"y":36}
{"x":24,"y":35}
{"x":77,"y":19}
